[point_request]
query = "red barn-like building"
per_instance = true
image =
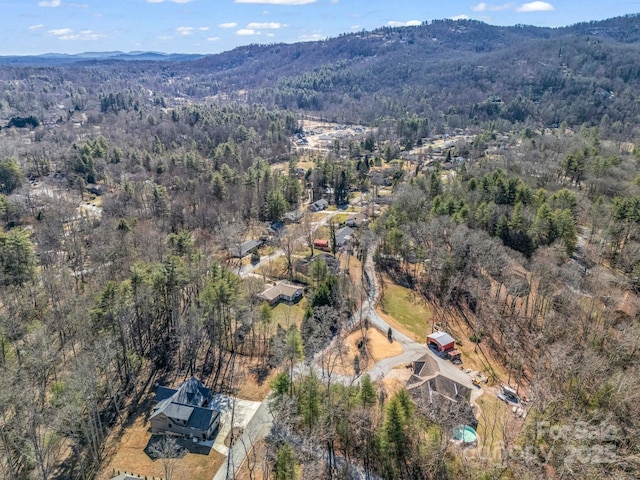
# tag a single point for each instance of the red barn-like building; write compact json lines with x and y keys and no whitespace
{"x":321,"y":244}
{"x":442,"y":341}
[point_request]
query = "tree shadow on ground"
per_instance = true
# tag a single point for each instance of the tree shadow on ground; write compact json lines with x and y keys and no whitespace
{"x":185,"y":445}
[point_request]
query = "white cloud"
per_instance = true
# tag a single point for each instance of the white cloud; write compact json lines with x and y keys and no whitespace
{"x":356,"y":27}
{"x":245,"y":32}
{"x":166,"y":37}
{"x":184,"y":31}
{"x":228,"y":25}
{"x":460,"y":17}
{"x":487,"y":7}
{"x":84,"y":35}
{"x":266,"y":25}
{"x":313,"y":37}
{"x":203,"y":29}
{"x":35,"y":27}
{"x":536,"y":7}
{"x":51,"y":3}
{"x":278,"y":2}
{"x":213,"y":39}
{"x":410,"y":23}
{"x":60,"y":31}
{"x":255,"y":28}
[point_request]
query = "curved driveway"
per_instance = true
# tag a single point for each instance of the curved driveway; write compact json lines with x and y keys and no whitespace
{"x":258,"y":427}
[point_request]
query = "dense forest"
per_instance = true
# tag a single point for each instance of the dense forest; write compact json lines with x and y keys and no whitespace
{"x":126,"y":186}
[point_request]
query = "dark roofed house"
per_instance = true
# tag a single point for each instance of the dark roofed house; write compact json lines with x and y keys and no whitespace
{"x":282,"y":291}
{"x":343,"y":235}
{"x":276,"y":227}
{"x":184,"y":411}
{"x":245,"y":248}
{"x":321,"y":204}
{"x":444,"y":399}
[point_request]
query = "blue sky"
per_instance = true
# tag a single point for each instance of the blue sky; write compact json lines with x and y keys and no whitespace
{"x":211,"y":26}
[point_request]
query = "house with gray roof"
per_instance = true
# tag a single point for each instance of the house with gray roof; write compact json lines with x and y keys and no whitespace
{"x":446,"y":401}
{"x":185,"y":411}
{"x":343,"y":236}
{"x":245,"y":248}
{"x":293,"y":216}
{"x":126,"y":476}
{"x":321,"y":204}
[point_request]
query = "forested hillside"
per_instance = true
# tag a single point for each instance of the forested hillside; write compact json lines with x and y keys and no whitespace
{"x":491,"y":173}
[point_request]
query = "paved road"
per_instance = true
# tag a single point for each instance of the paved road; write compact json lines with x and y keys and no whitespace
{"x":257,"y":429}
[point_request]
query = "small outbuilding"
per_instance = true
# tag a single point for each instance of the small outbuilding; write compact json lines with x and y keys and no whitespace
{"x":442,"y":341}
{"x":321,"y":244}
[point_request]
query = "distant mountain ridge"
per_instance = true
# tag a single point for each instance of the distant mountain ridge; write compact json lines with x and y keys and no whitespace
{"x":464,"y":69}
{"x":52,"y":59}
{"x":625,"y":29}
{"x":451,"y":72}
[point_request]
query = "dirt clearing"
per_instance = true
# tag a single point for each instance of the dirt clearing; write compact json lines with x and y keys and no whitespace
{"x":376,"y":348}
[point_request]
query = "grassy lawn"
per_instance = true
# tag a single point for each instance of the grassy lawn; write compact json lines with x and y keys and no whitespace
{"x":286,"y":315}
{"x":306,"y":164}
{"x":302,"y":251}
{"x":323,"y":232}
{"x":340,"y":218}
{"x":491,"y":422}
{"x":409,"y":312}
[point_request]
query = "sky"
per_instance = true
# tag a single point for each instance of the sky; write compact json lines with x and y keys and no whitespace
{"x":31,"y":27}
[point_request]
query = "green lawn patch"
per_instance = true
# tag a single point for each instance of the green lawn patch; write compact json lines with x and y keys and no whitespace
{"x":491,"y":422}
{"x":407,"y":309}
{"x":340,"y":218}
{"x":286,"y":315}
